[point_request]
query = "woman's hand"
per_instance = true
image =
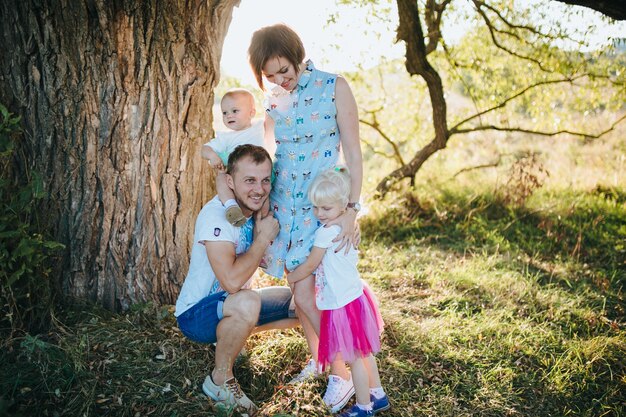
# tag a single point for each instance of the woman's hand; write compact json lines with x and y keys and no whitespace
{"x":350,"y":234}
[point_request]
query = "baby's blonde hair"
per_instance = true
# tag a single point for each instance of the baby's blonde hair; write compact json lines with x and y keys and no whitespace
{"x":240,"y":92}
{"x":331,"y":187}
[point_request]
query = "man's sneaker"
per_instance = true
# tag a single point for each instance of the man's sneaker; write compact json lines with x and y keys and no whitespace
{"x":229,"y":393}
{"x":338,"y":392}
{"x":380,"y":404}
{"x":355,"y":411}
{"x":235,"y":216}
{"x":309,"y":372}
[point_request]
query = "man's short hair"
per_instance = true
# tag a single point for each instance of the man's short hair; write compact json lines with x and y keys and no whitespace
{"x":258,"y":154}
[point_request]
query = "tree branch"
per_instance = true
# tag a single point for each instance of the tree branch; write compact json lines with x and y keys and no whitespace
{"x":478,"y":4}
{"x":432,"y":15}
{"x":541,"y":133}
{"x":455,"y":128}
{"x":376,"y":151}
{"x":467,"y":169}
{"x":513,"y":25}
{"x":376,"y":126}
{"x":409,"y":170}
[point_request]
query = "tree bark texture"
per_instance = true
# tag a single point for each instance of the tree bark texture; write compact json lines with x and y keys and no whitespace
{"x":410,"y":31}
{"x":116,"y":101}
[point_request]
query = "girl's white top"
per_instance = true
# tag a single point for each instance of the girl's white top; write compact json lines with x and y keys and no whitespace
{"x":337,"y":280}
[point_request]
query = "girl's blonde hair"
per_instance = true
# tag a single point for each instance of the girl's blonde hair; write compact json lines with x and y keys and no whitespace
{"x":274,"y":41}
{"x":331,"y":187}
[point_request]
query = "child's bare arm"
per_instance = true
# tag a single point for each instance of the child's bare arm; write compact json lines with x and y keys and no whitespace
{"x":213,"y":158}
{"x":308,"y":267}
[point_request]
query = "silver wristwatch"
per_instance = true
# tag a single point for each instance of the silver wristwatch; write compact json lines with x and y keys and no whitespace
{"x":355,"y":206}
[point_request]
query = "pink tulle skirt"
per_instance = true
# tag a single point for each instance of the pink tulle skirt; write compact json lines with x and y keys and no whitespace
{"x":352,"y":330}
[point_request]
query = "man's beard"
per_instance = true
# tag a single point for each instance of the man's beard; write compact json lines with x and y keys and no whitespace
{"x":246,"y":207}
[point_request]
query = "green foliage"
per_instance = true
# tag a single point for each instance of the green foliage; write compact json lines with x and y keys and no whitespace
{"x":597,"y":86}
{"x":26,"y":255}
{"x":541,"y":77}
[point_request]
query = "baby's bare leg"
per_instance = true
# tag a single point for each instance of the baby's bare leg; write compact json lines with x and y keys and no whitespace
{"x":223,"y":190}
{"x":234,"y":215}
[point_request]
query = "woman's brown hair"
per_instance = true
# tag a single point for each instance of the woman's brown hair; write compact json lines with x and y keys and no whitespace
{"x":274,"y":41}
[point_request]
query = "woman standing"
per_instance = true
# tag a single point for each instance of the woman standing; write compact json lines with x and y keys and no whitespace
{"x":312,"y":115}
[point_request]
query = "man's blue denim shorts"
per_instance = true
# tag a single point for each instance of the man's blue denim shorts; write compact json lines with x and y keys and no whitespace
{"x":199,"y":323}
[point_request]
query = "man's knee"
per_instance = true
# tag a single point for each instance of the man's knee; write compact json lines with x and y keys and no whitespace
{"x":245,"y":304}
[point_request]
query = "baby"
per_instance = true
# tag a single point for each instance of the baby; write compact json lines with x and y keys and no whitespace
{"x":238,"y":110}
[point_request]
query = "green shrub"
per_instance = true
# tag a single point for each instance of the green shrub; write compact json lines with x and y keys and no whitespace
{"x":26,"y":255}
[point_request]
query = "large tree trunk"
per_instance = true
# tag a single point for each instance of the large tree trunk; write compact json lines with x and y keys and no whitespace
{"x":116,"y":100}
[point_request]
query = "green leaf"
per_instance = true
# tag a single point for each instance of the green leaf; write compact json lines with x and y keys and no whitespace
{"x":37,"y":184}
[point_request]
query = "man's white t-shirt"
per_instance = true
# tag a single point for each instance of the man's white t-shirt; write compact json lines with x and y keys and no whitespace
{"x":211,"y":226}
{"x":337,"y":279}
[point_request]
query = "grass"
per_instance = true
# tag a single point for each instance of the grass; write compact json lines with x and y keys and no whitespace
{"x":490,"y":310}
